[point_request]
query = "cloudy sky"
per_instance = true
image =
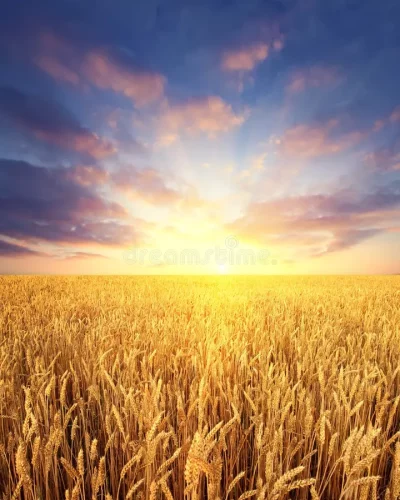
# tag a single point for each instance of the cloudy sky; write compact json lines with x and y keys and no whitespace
{"x":132,"y":132}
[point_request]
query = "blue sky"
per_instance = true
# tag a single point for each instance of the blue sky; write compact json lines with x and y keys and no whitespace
{"x":175,"y":125}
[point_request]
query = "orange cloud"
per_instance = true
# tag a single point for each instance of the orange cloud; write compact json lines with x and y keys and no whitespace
{"x":210,"y":115}
{"x":313,"y":77}
{"x":245,"y":59}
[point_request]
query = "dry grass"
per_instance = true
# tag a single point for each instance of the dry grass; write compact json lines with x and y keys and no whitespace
{"x":195,"y":388}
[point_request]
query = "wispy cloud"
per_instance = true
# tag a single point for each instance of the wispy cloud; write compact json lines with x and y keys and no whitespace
{"x":321,"y":223}
{"x":395,"y":115}
{"x":50,"y":122}
{"x":312,"y":77}
{"x":8,"y":249}
{"x":101,"y":68}
{"x":311,"y":141}
{"x":145,"y":184}
{"x":384,"y":159}
{"x":245,"y":58}
{"x":392,"y":118}
{"x":143,"y":87}
{"x":209,"y":115}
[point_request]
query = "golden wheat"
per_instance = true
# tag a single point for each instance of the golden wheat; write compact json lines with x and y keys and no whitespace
{"x":192,"y":388}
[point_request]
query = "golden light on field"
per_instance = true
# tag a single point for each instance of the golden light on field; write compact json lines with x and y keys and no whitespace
{"x":190,"y":388}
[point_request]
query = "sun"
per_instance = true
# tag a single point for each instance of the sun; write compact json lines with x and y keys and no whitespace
{"x":222,"y":269}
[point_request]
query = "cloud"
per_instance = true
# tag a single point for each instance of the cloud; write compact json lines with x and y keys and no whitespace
{"x":13,"y":250}
{"x":143,"y":87}
{"x":321,"y":223}
{"x":313,"y":77}
{"x":311,"y":141}
{"x":390,"y":119}
{"x":395,"y":115}
{"x":99,"y":67}
{"x":156,"y":188}
{"x":87,"y":175}
{"x":347,"y":239}
{"x":47,"y":204}
{"x":57,"y":69}
{"x":145,"y":184}
{"x":165,"y":140}
{"x":239,"y":62}
{"x":72,"y":255}
{"x":209,"y":115}
{"x":50,"y":122}
{"x":142,"y":184}
{"x":387,"y":159}
{"x":246,"y":58}
{"x":258,"y":161}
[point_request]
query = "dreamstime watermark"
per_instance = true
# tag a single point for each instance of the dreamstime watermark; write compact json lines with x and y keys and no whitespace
{"x":230,"y":254}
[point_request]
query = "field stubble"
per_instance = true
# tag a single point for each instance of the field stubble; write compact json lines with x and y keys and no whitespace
{"x":199,"y":387}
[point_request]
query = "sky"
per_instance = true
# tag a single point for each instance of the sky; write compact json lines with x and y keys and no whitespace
{"x":212,"y":136}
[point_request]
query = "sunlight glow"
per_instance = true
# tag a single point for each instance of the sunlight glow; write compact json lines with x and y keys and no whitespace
{"x":222,"y":269}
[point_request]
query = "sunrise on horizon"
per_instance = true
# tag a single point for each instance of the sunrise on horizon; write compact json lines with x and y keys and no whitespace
{"x":170,"y":127}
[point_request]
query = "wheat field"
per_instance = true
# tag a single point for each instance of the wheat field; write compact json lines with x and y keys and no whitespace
{"x":199,"y":388}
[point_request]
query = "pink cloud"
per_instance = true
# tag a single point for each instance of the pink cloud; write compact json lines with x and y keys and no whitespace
{"x":320,"y":223}
{"x":88,"y":175}
{"x":313,"y":77}
{"x":63,"y":61}
{"x":278,"y":44}
{"x":143,"y":87}
{"x":395,"y":116}
{"x":145,"y":184}
{"x":305,"y":141}
{"x":245,"y":59}
{"x":378,"y":125}
{"x":384,"y":159}
{"x":166,"y":139}
{"x":156,"y":188}
{"x":57,"y":70}
{"x":210,"y":115}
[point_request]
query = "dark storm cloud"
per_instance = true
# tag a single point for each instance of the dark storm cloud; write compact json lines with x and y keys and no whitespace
{"x":39,"y":203}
